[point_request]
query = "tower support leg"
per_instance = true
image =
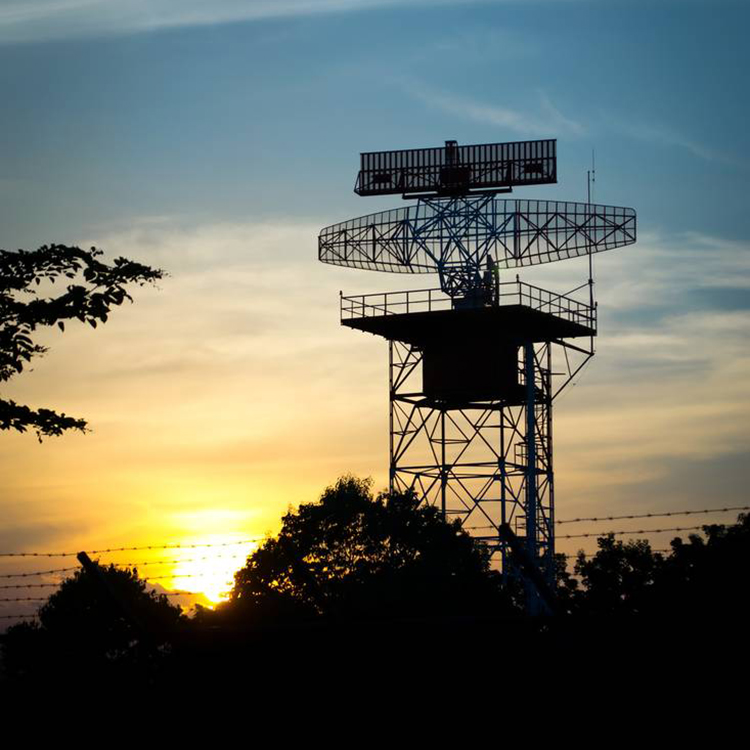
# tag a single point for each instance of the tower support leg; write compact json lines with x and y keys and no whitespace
{"x":533,"y":602}
{"x":483,"y":463}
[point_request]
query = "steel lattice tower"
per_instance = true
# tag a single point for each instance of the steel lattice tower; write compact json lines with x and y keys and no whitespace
{"x":475,"y":366}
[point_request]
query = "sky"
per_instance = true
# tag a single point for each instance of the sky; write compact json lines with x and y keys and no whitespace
{"x":216,"y":140}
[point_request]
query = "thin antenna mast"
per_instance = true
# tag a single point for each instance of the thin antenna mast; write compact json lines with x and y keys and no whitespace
{"x":590,"y":182}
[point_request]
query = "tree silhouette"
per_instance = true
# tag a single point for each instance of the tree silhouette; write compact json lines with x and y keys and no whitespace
{"x":619,"y":579}
{"x":351,"y":555}
{"x":81,"y":626}
{"x":709,"y":575}
{"x":24,"y":278}
{"x":701,"y":577}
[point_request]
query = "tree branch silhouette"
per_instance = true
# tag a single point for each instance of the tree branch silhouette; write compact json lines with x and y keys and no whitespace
{"x":26,"y":304}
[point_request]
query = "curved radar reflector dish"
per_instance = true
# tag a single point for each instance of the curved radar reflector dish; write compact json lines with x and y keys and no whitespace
{"x":433,"y":234}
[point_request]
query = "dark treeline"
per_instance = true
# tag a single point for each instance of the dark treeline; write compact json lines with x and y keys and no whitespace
{"x":386,"y":581}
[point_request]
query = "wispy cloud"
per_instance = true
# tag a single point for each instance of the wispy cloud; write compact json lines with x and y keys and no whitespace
{"x":41,"y":20}
{"x":201,"y":393}
{"x":668,"y":386}
{"x":663,"y":135}
{"x":475,"y":44}
{"x":35,"y":20}
{"x":545,"y":119}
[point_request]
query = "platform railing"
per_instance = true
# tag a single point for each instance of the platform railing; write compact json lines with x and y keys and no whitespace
{"x":505,"y":293}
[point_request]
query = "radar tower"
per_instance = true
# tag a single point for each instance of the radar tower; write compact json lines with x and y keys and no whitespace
{"x":476,"y":364}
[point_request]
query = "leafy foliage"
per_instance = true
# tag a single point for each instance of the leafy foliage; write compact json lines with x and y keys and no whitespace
{"x":700,"y":577}
{"x":619,"y":578}
{"x":79,"y":606}
{"x":352,"y":555}
{"x":97,"y":289}
{"x":81,"y":625}
{"x":711,"y":574}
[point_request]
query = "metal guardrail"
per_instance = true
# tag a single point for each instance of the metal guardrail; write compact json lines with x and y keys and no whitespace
{"x":429,"y":300}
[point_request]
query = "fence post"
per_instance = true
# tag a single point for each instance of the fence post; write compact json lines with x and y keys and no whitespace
{"x":116,"y":599}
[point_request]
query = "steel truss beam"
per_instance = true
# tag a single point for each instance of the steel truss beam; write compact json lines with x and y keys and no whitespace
{"x":484,"y":463}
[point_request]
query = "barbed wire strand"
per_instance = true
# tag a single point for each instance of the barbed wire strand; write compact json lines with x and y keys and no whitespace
{"x":178,"y":575}
{"x":620,"y":518}
{"x":53,"y":584}
{"x":40,"y":572}
{"x":256,"y":539}
{"x":572,"y":555}
{"x":630,"y":531}
{"x":44,"y":598}
{"x":130,"y":549}
{"x":30,"y":585}
{"x":656,"y":515}
{"x":174,"y":561}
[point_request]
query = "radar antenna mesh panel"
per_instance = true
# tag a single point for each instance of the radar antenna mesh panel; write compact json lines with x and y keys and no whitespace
{"x":431,"y":234}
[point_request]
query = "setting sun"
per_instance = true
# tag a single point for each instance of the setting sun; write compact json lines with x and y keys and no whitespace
{"x":209,"y":569}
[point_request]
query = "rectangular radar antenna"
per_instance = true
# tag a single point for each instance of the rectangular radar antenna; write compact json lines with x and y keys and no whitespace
{"x":457,"y":170}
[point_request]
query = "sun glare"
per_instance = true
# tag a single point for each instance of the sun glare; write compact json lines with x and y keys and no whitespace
{"x":209,"y":570}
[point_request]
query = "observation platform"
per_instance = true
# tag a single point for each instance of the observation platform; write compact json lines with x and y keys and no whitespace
{"x":518,"y":313}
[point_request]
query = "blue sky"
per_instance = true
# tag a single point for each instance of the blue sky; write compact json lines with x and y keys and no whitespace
{"x":216,"y":141}
{"x":110,"y":117}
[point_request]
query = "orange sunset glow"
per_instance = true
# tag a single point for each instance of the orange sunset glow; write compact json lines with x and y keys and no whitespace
{"x":438,"y":310}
